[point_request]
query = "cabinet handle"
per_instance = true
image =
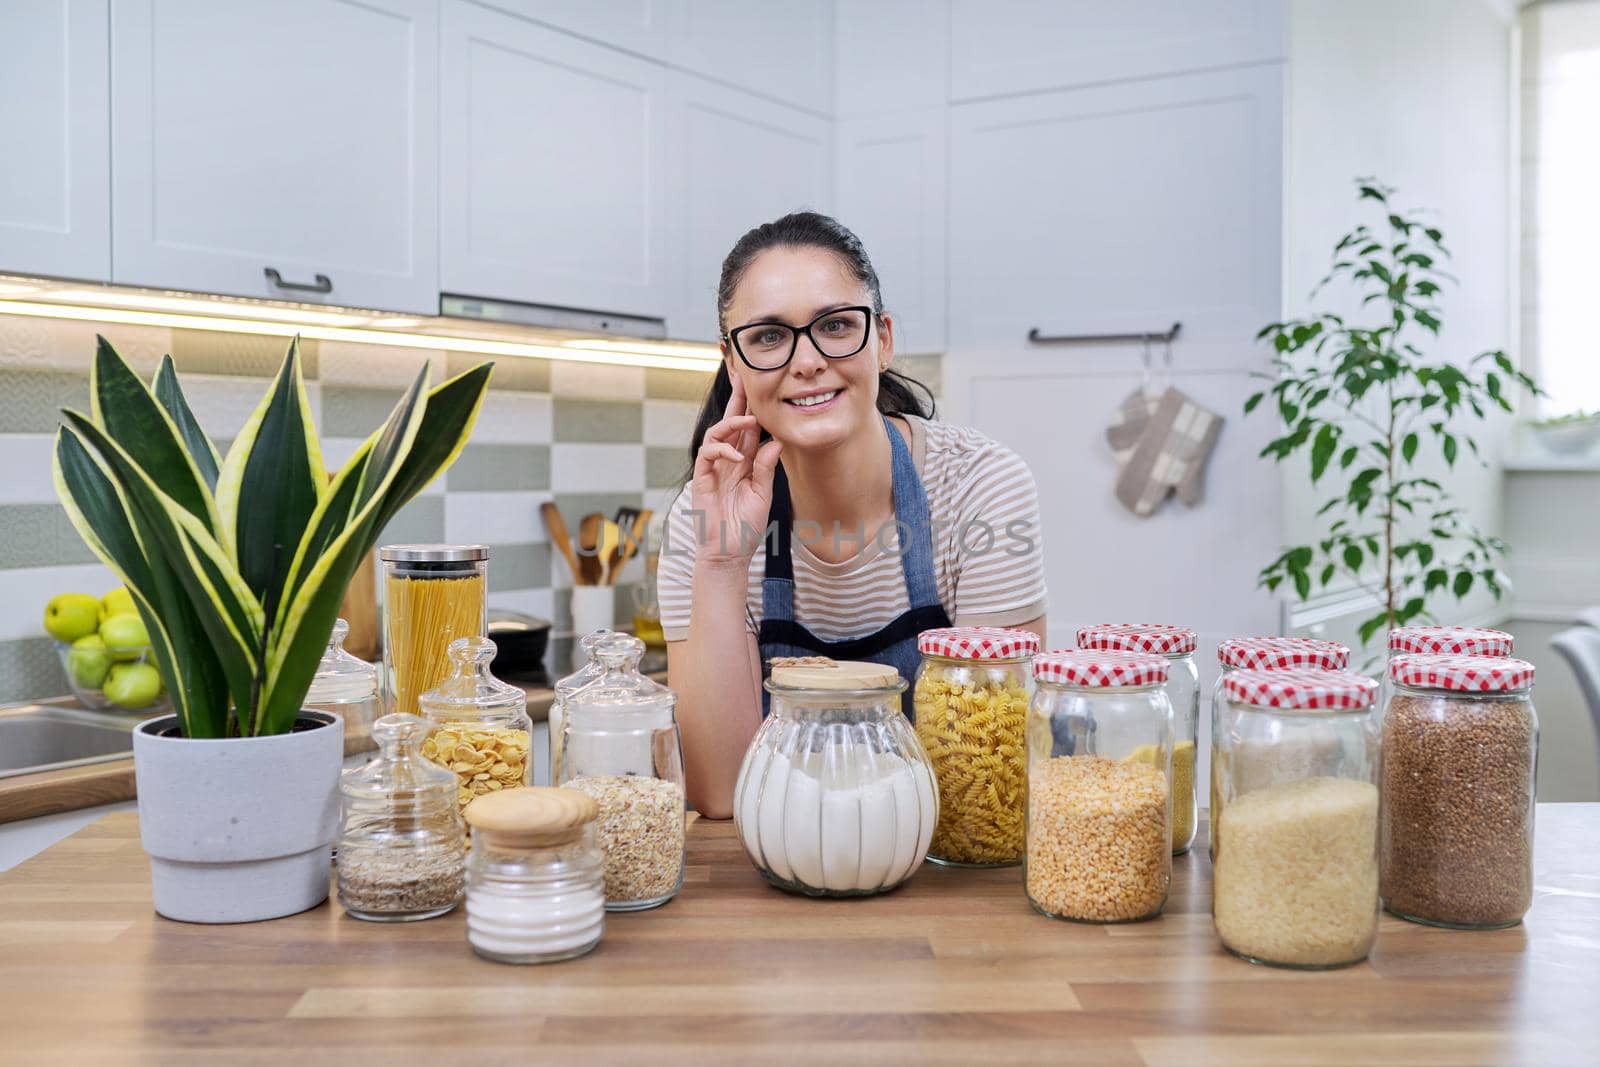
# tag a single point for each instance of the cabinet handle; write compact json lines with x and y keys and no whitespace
{"x":323,"y":283}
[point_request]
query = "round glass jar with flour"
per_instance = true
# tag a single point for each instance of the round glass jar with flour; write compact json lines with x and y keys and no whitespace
{"x":836,"y":797}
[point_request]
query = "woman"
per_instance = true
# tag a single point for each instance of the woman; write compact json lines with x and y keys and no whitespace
{"x":826,"y":513}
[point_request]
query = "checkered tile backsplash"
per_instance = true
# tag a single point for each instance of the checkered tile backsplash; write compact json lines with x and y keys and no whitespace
{"x":591,"y":438}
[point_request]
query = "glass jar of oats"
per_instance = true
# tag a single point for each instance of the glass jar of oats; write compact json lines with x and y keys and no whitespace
{"x":482,"y":731}
{"x":1099,"y":829}
{"x":1177,"y":644}
{"x":1296,"y":870}
{"x":1455,"y":833}
{"x":970,"y":701}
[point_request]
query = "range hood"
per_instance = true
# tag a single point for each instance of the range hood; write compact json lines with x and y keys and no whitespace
{"x":550,"y":317}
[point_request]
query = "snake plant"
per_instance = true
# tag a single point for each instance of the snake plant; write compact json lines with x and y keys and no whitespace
{"x":238,"y":565}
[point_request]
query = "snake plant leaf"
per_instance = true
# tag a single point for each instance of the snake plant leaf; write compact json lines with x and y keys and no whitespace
{"x":126,"y":410}
{"x":454,"y":403}
{"x":171,"y":534}
{"x":390,"y":443}
{"x":169,"y":394}
{"x":271,"y":483}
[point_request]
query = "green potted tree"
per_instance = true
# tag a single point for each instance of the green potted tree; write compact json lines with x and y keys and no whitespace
{"x":237,"y":567}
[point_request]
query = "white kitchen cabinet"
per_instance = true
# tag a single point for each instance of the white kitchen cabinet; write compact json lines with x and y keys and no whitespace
{"x":55,"y":186}
{"x":1016,"y":46}
{"x":892,"y":194}
{"x":639,"y":26}
{"x":738,"y":161}
{"x":299,"y":137}
{"x":553,"y":185}
{"x":779,"y":50}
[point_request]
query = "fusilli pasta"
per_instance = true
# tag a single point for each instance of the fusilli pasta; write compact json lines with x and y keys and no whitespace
{"x":971,"y":722}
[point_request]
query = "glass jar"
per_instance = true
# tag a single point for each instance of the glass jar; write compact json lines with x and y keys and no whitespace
{"x":621,"y":748}
{"x":482,"y":729}
{"x":556,"y":717}
{"x":344,"y":685}
{"x":1455,"y":834}
{"x":1441,"y":641}
{"x":1177,"y":644}
{"x":1296,"y":870}
{"x":835,"y":797}
{"x":1262,"y":654}
{"x":432,"y":594}
{"x":535,"y":879}
{"x":1099,"y":829}
{"x":971,"y":706}
{"x":400,"y":850}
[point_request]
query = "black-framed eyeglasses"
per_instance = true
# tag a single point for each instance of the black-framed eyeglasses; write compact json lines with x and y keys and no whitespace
{"x":837,"y":334}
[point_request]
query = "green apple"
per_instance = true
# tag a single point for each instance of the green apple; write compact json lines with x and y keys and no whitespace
{"x":117,"y":602}
{"x":133,"y":685}
{"x":125,"y":636}
{"x":71,"y":615}
{"x":88,"y":662}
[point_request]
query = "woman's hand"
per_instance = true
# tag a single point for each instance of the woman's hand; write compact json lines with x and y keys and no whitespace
{"x":732,"y":486}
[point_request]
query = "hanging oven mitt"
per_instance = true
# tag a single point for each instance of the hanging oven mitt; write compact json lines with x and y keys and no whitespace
{"x":1170,"y":454}
{"x":1128,"y":422}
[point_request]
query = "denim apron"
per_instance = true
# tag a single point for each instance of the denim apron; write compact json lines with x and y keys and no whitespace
{"x":894,"y":645}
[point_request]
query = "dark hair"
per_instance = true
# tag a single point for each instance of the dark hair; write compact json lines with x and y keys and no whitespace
{"x":898,"y":394}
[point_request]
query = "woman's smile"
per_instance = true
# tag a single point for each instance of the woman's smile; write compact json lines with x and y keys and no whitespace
{"x":813,"y":401}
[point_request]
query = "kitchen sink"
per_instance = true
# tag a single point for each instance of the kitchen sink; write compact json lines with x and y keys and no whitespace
{"x":50,"y":736}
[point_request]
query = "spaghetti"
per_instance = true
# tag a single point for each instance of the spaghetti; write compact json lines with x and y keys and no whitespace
{"x":425,"y":610}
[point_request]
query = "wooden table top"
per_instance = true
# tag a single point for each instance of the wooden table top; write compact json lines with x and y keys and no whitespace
{"x":953,"y":968}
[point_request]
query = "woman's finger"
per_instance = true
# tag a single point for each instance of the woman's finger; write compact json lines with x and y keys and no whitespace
{"x":736,"y":402}
{"x":765,"y":467}
{"x":730,"y":428}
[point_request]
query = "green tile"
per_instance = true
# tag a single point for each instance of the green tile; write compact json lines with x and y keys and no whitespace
{"x":488,"y":468}
{"x":519,"y":566}
{"x":30,"y":669}
{"x":420,"y":522}
{"x":512,"y":373}
{"x":39,"y":535}
{"x":247,"y":354}
{"x":665,"y":467}
{"x":351,"y":411}
{"x":615,"y":421}
{"x":660,"y":384}
{"x":31,"y":400}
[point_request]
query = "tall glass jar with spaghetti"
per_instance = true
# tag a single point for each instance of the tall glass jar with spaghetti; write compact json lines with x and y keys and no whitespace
{"x":1262,"y":654}
{"x":482,"y":731}
{"x":1099,"y":828}
{"x":432,"y":594}
{"x":1177,"y":644}
{"x":970,"y":700}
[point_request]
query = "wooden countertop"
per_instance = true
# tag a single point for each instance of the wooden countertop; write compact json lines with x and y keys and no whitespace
{"x":953,"y":968}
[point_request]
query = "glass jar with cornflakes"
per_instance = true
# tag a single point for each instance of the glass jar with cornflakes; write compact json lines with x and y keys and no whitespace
{"x":482,"y":730}
{"x":1176,"y":643}
{"x":970,"y":702}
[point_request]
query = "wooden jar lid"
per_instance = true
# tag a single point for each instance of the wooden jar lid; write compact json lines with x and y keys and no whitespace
{"x":532,"y":815}
{"x":816,"y":672}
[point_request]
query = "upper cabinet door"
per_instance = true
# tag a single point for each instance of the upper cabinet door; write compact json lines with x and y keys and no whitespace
{"x":1026,"y":45}
{"x":779,"y":50}
{"x":739,"y":161}
{"x":298,"y":137}
{"x":55,"y":185}
{"x":633,"y":25}
{"x":554,"y":149}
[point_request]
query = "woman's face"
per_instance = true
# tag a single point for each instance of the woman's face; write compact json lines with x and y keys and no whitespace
{"x":794,"y":286}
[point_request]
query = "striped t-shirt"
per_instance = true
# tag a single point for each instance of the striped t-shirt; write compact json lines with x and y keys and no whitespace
{"x":988,"y":553}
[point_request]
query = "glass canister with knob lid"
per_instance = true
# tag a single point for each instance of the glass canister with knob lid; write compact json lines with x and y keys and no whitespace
{"x":482,"y":729}
{"x":835,"y":797}
{"x":1296,"y":870}
{"x":401,"y":854}
{"x":556,"y":718}
{"x":1177,"y":644}
{"x":1099,"y":813}
{"x":971,"y":702}
{"x":621,"y":747}
{"x":345,"y":685}
{"x":432,"y":595}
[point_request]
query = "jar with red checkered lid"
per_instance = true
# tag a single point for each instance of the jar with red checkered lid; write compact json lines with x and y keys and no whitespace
{"x":1100,"y":734}
{"x":1177,"y":644}
{"x":1295,"y":879}
{"x":970,"y":702}
{"x":1267,"y":654}
{"x":1440,"y":641}
{"x":1455,"y":835}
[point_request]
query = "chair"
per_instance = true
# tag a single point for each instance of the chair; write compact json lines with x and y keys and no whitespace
{"x":1590,"y":616}
{"x":1580,"y":646}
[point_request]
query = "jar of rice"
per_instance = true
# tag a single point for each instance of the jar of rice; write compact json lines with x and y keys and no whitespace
{"x":1177,"y":644}
{"x":1296,"y":869}
{"x":970,"y":703}
{"x":1099,"y":827}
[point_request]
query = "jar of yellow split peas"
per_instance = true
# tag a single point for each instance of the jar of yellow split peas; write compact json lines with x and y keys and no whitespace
{"x":1176,"y":643}
{"x":482,"y":730}
{"x":971,"y":706}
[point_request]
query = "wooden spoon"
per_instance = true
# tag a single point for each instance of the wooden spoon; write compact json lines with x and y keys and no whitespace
{"x":589,"y":546}
{"x":607,"y":550}
{"x":557,"y":526}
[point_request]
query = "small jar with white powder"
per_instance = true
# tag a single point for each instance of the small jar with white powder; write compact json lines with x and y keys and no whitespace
{"x":535,"y":878}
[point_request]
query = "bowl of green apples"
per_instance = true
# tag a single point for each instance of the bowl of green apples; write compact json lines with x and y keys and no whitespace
{"x":105,"y":652}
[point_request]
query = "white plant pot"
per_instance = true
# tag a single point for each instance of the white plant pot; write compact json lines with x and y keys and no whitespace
{"x":241,"y":829}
